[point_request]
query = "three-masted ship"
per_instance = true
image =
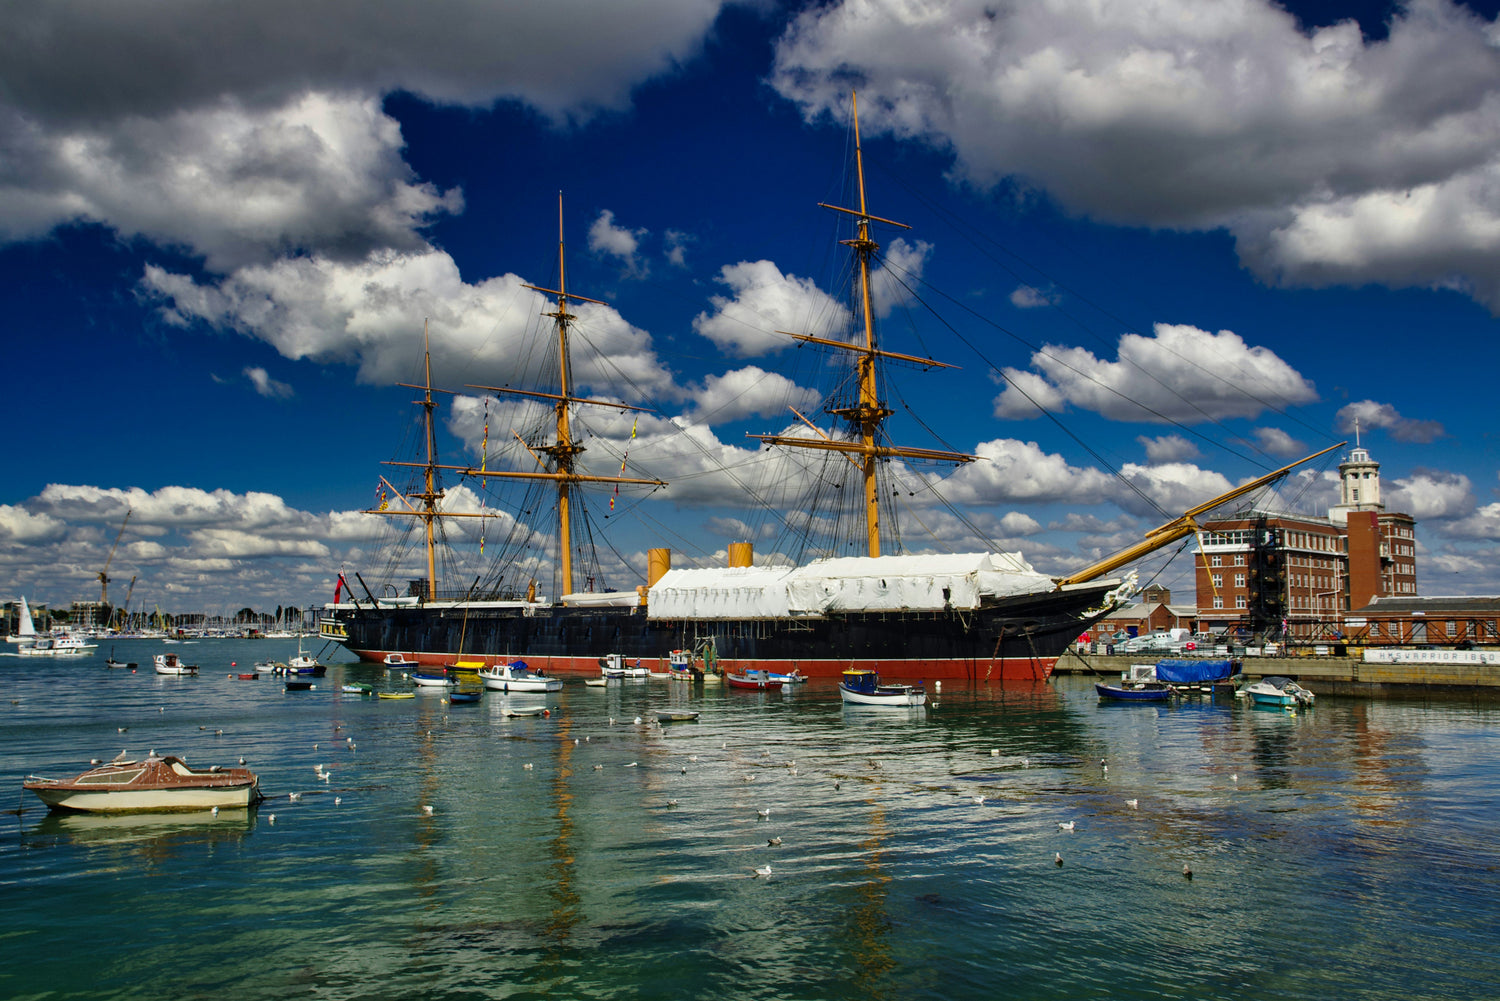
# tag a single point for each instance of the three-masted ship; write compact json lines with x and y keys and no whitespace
{"x":982,"y":616}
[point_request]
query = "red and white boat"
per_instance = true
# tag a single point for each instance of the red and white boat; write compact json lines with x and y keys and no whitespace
{"x":160,"y":783}
{"x":170,"y":663}
{"x":756,"y":680}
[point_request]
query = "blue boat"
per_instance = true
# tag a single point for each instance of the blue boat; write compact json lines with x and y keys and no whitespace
{"x":463,"y":696}
{"x":1134,"y":691}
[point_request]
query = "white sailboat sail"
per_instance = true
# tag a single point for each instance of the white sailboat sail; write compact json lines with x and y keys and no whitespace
{"x":25,"y":628}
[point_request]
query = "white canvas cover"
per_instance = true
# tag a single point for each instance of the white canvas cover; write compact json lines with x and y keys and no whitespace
{"x":846,"y":584}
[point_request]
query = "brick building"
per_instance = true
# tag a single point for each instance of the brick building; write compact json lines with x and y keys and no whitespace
{"x":1276,"y":575}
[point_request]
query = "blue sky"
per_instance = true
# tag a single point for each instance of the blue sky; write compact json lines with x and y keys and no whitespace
{"x":1203,"y":238}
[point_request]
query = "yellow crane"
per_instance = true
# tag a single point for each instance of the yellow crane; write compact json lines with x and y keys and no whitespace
{"x":104,"y":574}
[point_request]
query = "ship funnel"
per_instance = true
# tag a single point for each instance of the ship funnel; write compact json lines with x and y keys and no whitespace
{"x":741,"y":554}
{"x":658,"y":562}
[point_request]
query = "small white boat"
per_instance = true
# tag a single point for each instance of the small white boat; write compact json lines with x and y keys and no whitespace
{"x":863,"y":688}
{"x":518,"y":677}
{"x":596,"y":682}
{"x":528,"y":711}
{"x":613,"y":666}
{"x":25,"y":633}
{"x":302,"y":663}
{"x":157,"y":784}
{"x":1276,"y":691}
{"x":676,"y":716}
{"x":398,"y":662}
{"x":57,"y":645}
{"x":170,"y":663}
{"x":441,"y":680}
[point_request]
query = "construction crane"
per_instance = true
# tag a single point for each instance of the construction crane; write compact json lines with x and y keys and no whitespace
{"x":125,"y":609}
{"x":104,"y":574}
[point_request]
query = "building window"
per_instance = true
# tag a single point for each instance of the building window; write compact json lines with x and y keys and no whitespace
{"x":1239,"y":559}
{"x":1239,"y":580}
{"x":1218,"y":601}
{"x":1218,"y":580}
{"x":1217,"y":561}
{"x":1241,"y":602}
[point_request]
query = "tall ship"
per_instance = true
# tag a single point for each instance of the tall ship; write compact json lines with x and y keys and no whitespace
{"x":978,"y":616}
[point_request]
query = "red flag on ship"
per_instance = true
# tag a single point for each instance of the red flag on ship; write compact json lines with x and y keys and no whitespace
{"x":342,"y":585}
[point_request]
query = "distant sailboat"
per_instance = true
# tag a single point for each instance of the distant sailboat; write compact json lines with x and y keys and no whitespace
{"x":25,"y":633}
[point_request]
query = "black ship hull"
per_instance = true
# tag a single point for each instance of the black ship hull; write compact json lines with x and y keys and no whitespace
{"x":1019,"y":639}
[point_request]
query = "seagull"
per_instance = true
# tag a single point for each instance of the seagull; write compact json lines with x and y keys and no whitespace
{"x":994,"y":752}
{"x":692,"y":757}
{"x":527,"y":766}
{"x":203,"y":728}
{"x":161,"y":709}
{"x":96,"y":761}
{"x":121,"y":729}
{"x":979,"y":800}
{"x":315,"y":747}
{"x":1057,"y":857}
{"x":271,"y":819}
{"x":214,"y":811}
{"x":1025,"y":762}
{"x":671,"y":802}
{"x":325,"y":776}
{"x":749,"y":778}
{"x":348,"y":740}
{"x":637,"y":721}
{"x":764,"y":870}
{"x":242,"y":761}
{"x":1233,"y":778}
{"x":427,"y":811}
{"x":611,"y":721}
{"x":835,"y":785}
{"x":773,"y":842}
{"x":337,"y":800}
{"x":598,"y":768}
{"x":575,"y":741}
{"x":352,"y":745}
{"x":1134,"y":804}
{"x":319,"y":768}
{"x":764,"y":814}
{"x":1186,"y":871}
{"x":294,"y":796}
{"x":631,"y":765}
{"x":1066,"y":826}
{"x":684,"y":769}
{"x":218,"y":733}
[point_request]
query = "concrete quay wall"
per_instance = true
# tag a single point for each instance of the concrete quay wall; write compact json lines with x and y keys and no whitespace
{"x":1330,"y":675}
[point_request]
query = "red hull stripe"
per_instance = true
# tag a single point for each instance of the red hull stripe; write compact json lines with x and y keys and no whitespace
{"x":892,"y":670}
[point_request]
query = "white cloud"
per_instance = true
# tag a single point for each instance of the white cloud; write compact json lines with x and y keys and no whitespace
{"x":899,"y":275}
{"x":20,"y":525}
{"x":265,"y":385}
{"x":1173,"y":487}
{"x":766,"y":301}
{"x":614,"y":241}
{"x":676,"y":247}
{"x":1329,"y":157}
{"x":1011,"y":470}
{"x":1181,"y":374}
{"x":371,"y":313}
{"x":244,"y":131}
{"x":1029,"y":297}
{"x":1277,"y":442}
{"x":1168,"y":448}
{"x":1368,"y":414}
{"x":747,"y":392}
{"x":1016,"y":523}
{"x":1483,"y":523}
{"x":1428,"y":494}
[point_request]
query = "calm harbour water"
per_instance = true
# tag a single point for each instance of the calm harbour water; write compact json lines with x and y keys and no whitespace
{"x":1349,"y":851}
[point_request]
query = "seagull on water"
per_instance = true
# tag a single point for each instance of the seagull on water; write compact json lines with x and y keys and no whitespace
{"x":1066,"y":826}
{"x":630,"y":765}
{"x":527,"y":766}
{"x":671,"y":802}
{"x":835,"y":785}
{"x":764,"y":814}
{"x":1057,"y":857}
{"x":242,"y":761}
{"x":979,"y":800}
{"x":427,"y":811}
{"x":214,"y":811}
{"x":994,"y":752}
{"x":1186,"y":871}
{"x":96,"y":761}
{"x":637,"y":721}
{"x":271,"y":819}
{"x":325,"y":776}
{"x":1233,"y":778}
{"x":764,"y":870}
{"x":1134,"y":804}
{"x":337,"y":800}
{"x":294,"y":796}
{"x":121,"y":729}
{"x":773,"y":842}
{"x":598,"y":768}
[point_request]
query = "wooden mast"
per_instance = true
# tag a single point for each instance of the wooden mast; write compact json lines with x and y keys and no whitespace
{"x":865,"y":417}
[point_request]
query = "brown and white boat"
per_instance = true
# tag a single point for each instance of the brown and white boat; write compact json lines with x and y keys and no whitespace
{"x":158,"y":784}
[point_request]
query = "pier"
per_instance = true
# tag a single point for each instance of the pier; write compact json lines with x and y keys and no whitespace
{"x":1446,"y":673}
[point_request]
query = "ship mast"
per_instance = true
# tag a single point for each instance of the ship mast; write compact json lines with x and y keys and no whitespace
{"x":564,"y":450}
{"x":867,"y":416}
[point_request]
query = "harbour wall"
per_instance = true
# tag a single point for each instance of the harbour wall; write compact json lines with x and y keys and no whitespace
{"x":1330,"y":675}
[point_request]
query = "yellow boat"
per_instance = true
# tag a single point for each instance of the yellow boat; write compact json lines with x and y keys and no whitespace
{"x":398,"y":695}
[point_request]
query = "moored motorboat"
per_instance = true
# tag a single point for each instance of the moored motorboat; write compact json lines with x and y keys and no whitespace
{"x":528,"y":711}
{"x":398,"y":661}
{"x":676,"y":716}
{"x":517,"y":676}
{"x":57,"y":645}
{"x":615,"y":666}
{"x":357,"y":688}
{"x":249,"y":676}
{"x":462,"y":696}
{"x":170,"y":663}
{"x":793,"y":677}
{"x":862,"y":687}
{"x":157,"y":784}
{"x":1277,"y":691}
{"x":398,"y":695}
{"x":299,"y":685}
{"x":423,"y":679}
{"x":756,"y":680}
{"x":1134,"y":691}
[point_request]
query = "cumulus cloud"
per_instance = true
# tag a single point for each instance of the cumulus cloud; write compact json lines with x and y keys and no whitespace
{"x":749,"y":391}
{"x":615,"y":241}
{"x":1275,"y":441}
{"x":1431,"y":493}
{"x":1180,"y":373}
{"x":265,"y":385}
{"x":20,"y":525}
{"x":899,"y":274}
{"x":1012,"y":470}
{"x":242,"y":133}
{"x":1173,"y":487}
{"x":676,"y":242}
{"x":1483,"y":523}
{"x":1367,"y":414}
{"x":764,"y":301}
{"x":1328,"y":156}
{"x":371,"y":312}
{"x":1168,"y":448}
